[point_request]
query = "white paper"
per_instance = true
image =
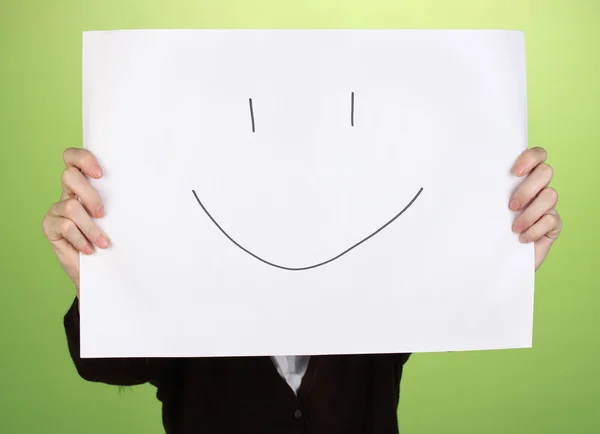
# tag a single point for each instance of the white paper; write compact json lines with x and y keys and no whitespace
{"x":350,"y":126}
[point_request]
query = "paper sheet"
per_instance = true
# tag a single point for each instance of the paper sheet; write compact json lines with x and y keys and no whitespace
{"x":281,"y":192}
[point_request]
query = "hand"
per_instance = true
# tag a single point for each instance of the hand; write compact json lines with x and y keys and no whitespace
{"x":539,"y":222}
{"x":68,"y":225}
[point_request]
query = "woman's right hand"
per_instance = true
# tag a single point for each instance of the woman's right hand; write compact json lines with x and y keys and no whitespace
{"x":68,"y":224}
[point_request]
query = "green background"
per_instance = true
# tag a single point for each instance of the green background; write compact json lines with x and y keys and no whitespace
{"x":552,"y":388}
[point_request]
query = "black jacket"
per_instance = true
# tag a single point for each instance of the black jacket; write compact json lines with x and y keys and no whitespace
{"x":348,"y":394}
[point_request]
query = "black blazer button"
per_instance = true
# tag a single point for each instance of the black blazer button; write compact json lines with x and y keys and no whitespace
{"x":298,"y":414}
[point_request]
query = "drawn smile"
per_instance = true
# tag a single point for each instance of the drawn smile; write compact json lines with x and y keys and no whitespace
{"x":272,"y":264}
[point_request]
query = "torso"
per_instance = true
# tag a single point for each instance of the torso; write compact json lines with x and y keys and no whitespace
{"x":353,"y":394}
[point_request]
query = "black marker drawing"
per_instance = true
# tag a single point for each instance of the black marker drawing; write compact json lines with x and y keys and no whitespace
{"x":310,"y":266}
{"x":352,"y":109}
{"x":251,"y":114}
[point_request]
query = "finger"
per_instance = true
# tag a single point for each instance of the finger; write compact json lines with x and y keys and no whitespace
{"x":529,"y":160}
{"x":76,"y":184}
{"x":555,"y":232}
{"x":73,"y":210}
{"x":544,"y":202}
{"x":531,"y":186}
{"x":83,"y":160}
{"x":548,"y":226}
{"x":60,"y":228}
{"x":545,"y":243}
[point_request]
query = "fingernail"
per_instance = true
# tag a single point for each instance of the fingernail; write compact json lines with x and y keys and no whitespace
{"x":519,"y":169}
{"x":88,"y":250}
{"x":102,"y":241}
{"x":515,"y":205}
{"x":99,"y":211}
{"x":518,"y":227}
{"x":97,"y":171}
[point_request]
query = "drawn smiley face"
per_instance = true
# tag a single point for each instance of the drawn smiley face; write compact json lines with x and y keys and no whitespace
{"x":273,"y":262}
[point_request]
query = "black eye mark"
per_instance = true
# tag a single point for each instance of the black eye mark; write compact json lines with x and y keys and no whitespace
{"x":252,"y":114}
{"x":352,"y":109}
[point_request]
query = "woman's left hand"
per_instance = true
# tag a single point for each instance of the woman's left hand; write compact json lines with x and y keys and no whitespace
{"x":539,"y":221}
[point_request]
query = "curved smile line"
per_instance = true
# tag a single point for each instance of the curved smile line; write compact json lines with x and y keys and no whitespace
{"x":310,"y":266}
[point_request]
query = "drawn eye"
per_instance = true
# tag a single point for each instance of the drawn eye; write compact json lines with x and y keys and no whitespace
{"x":254,"y":125}
{"x":252,"y":114}
{"x":352,"y":109}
